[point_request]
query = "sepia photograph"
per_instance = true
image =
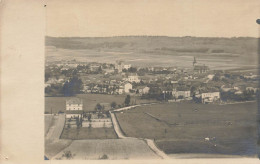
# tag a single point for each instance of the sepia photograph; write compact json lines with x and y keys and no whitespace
{"x":139,"y":80}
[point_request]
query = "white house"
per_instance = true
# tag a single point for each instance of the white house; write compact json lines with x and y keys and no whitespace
{"x":127,"y":87}
{"x":127,"y":66}
{"x":133,"y":78}
{"x":184,"y":94}
{"x":210,"y":97}
{"x":74,"y":104}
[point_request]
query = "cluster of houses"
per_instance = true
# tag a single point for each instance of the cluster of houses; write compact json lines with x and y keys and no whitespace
{"x":121,"y":88}
{"x":205,"y":97}
{"x":118,"y":78}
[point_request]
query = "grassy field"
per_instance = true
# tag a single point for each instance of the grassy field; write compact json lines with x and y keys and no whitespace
{"x":48,"y":120}
{"x":86,"y":133}
{"x":182,"y":128}
{"x":56,"y":104}
{"x":113,"y":148}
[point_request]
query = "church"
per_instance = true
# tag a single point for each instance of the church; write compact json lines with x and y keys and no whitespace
{"x":199,"y":68}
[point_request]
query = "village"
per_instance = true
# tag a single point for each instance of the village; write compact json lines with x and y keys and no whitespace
{"x":198,"y":83}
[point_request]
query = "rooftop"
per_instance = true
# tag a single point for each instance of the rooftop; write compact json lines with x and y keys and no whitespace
{"x":74,"y":101}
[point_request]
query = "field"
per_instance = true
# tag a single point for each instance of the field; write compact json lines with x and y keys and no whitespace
{"x":56,"y":104}
{"x":182,"y":128}
{"x":86,"y":133}
{"x":48,"y":120}
{"x":113,"y":148}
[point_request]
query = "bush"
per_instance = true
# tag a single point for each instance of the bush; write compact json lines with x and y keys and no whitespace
{"x":104,"y":157}
{"x":67,"y":154}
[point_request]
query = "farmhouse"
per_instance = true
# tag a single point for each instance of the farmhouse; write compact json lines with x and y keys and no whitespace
{"x":74,"y":104}
{"x":210,"y":97}
{"x":178,"y":94}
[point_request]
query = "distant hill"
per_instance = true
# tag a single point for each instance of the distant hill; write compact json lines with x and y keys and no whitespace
{"x":241,"y":45}
{"x":156,"y":50}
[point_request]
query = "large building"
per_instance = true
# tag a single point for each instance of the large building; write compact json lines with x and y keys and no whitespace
{"x":210,"y":97}
{"x":74,"y":104}
{"x":183,"y":94}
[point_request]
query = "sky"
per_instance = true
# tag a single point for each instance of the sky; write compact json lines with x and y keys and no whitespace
{"x":200,"y":18}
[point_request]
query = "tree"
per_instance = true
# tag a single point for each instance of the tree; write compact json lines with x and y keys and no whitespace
{"x":72,"y":87}
{"x":104,"y":157}
{"x":89,"y":117}
{"x":77,"y":122}
{"x":113,"y":104}
{"x":132,"y":69}
{"x":67,"y":154}
{"x":127,"y":100}
{"x":98,"y":107}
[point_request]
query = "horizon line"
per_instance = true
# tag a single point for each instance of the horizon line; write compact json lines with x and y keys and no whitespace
{"x":151,"y":36}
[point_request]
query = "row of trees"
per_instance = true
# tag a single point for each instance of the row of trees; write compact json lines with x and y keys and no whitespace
{"x":247,"y":95}
{"x":71,"y":87}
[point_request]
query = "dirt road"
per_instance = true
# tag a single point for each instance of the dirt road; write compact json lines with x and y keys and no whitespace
{"x":55,"y":130}
{"x":149,"y":142}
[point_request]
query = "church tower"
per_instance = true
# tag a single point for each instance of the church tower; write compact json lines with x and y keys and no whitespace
{"x":194,"y":61}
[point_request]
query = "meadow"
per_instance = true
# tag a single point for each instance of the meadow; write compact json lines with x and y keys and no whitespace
{"x":114,"y":149}
{"x":56,"y":104}
{"x":195,"y":128}
{"x":88,"y":133}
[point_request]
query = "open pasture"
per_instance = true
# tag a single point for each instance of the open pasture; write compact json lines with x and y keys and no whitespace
{"x":182,"y":128}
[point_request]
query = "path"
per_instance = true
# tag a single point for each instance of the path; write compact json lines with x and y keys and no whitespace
{"x":116,"y":126}
{"x":55,"y":130}
{"x":159,"y":152}
{"x":149,"y":142}
{"x":133,"y":106}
